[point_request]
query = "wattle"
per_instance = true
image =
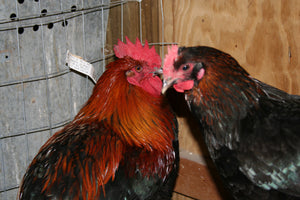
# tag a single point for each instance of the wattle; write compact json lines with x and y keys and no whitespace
{"x":153,"y":85}
{"x":186,"y":85}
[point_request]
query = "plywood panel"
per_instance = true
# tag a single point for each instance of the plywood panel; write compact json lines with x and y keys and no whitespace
{"x":262,"y":35}
{"x":196,"y":181}
{"x":177,"y":196}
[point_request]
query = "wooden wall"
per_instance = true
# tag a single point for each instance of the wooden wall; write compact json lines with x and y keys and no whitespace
{"x":263,"y":35}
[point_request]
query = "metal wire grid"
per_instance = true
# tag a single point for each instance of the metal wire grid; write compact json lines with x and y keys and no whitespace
{"x":35,"y":86}
{"x":27,"y":127}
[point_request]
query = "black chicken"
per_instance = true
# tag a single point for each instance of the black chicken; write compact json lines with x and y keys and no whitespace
{"x":252,"y":130}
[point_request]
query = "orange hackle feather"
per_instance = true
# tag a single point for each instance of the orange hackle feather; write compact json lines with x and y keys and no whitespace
{"x":118,"y":119}
{"x":131,"y":114}
{"x":138,"y":118}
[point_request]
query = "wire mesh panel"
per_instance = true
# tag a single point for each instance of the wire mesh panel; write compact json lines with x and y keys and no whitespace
{"x":38,"y":92}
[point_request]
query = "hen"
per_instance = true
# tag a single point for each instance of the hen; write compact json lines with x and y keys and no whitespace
{"x":121,"y":145}
{"x":252,"y":130}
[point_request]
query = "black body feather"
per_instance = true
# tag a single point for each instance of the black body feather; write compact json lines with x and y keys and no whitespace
{"x":252,"y":130}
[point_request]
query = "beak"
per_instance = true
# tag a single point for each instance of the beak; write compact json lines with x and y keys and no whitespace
{"x":158,"y":72}
{"x":166,"y":84}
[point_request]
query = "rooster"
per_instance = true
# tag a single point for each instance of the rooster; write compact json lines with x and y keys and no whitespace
{"x":121,"y":145}
{"x":251,"y":129}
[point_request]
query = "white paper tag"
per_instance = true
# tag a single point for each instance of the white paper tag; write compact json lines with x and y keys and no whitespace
{"x":78,"y":64}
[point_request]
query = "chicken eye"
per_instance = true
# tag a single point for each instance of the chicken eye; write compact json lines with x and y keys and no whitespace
{"x":185,"y":67}
{"x":138,"y":68}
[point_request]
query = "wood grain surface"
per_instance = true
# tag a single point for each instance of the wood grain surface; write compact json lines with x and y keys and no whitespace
{"x":263,"y":35}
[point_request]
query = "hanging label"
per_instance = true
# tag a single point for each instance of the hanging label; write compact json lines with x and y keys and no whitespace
{"x":78,"y":64}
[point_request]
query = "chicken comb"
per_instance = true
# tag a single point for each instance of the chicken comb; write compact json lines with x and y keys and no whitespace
{"x":169,"y":59}
{"x":138,"y":52}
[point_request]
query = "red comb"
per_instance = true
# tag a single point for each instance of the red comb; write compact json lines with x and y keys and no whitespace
{"x":169,"y":60}
{"x":138,"y":52}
